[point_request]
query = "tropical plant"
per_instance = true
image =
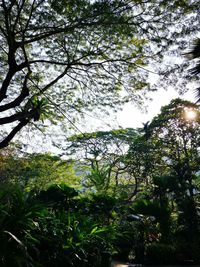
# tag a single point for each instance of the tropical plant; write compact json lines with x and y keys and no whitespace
{"x":18,"y":222}
{"x":48,"y":230}
{"x":194,"y":53}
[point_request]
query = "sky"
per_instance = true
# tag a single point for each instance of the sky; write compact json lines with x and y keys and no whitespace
{"x":129,"y":117}
{"x":132,"y":116}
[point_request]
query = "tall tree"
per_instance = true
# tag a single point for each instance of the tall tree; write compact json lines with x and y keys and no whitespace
{"x":103,"y":154}
{"x":177,"y":132}
{"x":68,"y":56}
{"x":166,"y":161}
{"x":169,"y":148}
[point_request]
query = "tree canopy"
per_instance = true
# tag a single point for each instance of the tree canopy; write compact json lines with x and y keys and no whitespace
{"x":60,"y":58}
{"x":194,"y":54}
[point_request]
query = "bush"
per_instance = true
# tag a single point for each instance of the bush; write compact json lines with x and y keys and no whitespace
{"x":39,"y":235}
{"x":160,"y":254}
{"x":19,"y":214}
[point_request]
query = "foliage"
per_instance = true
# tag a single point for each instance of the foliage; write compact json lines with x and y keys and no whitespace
{"x":161,"y":215}
{"x":157,"y":223}
{"x":57,"y":196}
{"x":59,"y":59}
{"x":19,"y":220}
{"x":104,"y":152}
{"x":37,"y":171}
{"x":160,"y":254}
{"x":179,"y":138}
{"x":172,"y":192}
{"x":34,"y":234}
{"x":194,"y":54}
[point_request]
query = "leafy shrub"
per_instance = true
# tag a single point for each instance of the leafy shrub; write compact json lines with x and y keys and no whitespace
{"x":18,"y":220}
{"x":129,"y":237}
{"x":39,"y":235}
{"x":160,"y":254}
{"x":57,"y":196}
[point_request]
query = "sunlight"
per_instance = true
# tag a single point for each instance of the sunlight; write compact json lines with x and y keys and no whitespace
{"x":190,"y":114}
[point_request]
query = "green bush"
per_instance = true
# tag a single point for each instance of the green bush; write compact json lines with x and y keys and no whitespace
{"x":36,"y":234}
{"x":19,"y":214}
{"x":160,"y":254}
{"x":127,"y":239}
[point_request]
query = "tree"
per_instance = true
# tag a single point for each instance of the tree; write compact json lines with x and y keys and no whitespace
{"x":143,"y":158}
{"x":165,"y":160}
{"x":169,"y":144}
{"x":36,"y":171}
{"x":60,"y":57}
{"x":103,"y":153}
{"x":177,"y":132}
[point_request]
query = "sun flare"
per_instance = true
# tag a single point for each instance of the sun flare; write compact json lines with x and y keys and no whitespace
{"x":190,"y":114}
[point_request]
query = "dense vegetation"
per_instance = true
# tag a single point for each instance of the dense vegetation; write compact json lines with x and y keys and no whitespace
{"x":127,"y":194}
{"x":134,"y":196}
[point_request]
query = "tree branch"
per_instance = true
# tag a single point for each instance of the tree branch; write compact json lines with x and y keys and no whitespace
{"x":24,"y":93}
{"x":55,"y":80}
{"x":12,"y":118}
{"x":20,"y":8}
{"x":14,"y":131}
{"x":48,"y":62}
{"x":6,"y":83}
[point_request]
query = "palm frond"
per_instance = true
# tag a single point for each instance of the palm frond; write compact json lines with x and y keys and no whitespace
{"x":194,"y":53}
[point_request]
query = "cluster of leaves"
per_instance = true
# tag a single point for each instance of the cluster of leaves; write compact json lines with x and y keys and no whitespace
{"x":59,"y":59}
{"x":51,"y":229}
{"x":36,"y":171}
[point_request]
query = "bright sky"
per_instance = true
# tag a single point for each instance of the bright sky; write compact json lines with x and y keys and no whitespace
{"x":130,"y":116}
{"x":133,"y":117}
